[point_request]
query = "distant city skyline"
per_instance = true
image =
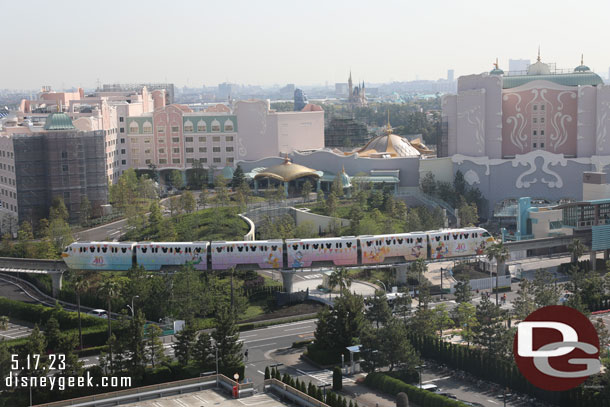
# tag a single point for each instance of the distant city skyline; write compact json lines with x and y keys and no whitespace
{"x":274,"y":43}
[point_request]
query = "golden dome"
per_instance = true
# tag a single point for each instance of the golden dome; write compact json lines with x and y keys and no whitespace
{"x":388,"y":143}
{"x":287,"y":171}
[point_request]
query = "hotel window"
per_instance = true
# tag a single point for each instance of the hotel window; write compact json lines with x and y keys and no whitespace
{"x":188,"y":139}
{"x":176,"y":161}
{"x":176,"y":151}
{"x":217,"y":159}
{"x":189,"y":160}
{"x":161,"y":151}
{"x":535,"y":120}
{"x":121,"y":119}
{"x":188,"y":126}
{"x":175,"y":139}
{"x":229,"y":149}
{"x":147,"y":128}
{"x":147,"y":151}
{"x":203,"y":149}
{"x":162,"y":161}
{"x":215,"y":126}
{"x":134,"y":151}
{"x":216,"y":149}
{"x":122,"y":130}
{"x":541,"y":145}
{"x":230,"y":160}
{"x":148,"y":161}
{"x":542,"y":120}
{"x":122,"y":141}
{"x":64,"y":168}
{"x":175,"y":129}
{"x":161,"y":140}
{"x":189,"y":149}
{"x":147,"y":141}
{"x":161,"y":130}
{"x":203,"y":160}
{"x":123,"y":162}
{"x":542,"y":132}
{"x":122,"y":151}
{"x":134,"y":128}
{"x":534,"y":145}
{"x":216,"y":138}
{"x":535,"y":107}
{"x":228,"y":125}
{"x":201,"y":126}
{"x":134,"y":140}
{"x":202,"y":139}
{"x":135,"y":162}
{"x":541,"y":107}
{"x":64,"y":154}
{"x":229,"y":138}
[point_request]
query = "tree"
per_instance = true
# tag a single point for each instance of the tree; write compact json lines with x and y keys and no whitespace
{"x":602,"y":333}
{"x":36,"y":344}
{"x":187,"y":201}
{"x":442,"y":319}
{"x":467,"y":319}
{"x":268,"y":373}
{"x":155,"y":217}
{"x":197,"y":176}
{"x":53,"y":334}
{"x":462,"y":290}
{"x":306,"y":190}
{"x":185,"y":341}
{"x":222,"y":193}
{"x":202,"y":201}
{"x":4,"y":323}
{"x":226,"y":337}
{"x":135,"y":344}
{"x":85,"y":210}
{"x":402,"y":400}
{"x":67,"y":344}
{"x":337,"y":378}
{"x":468,"y":214}
{"x":490,"y":328}
{"x":396,"y":346}
{"x":545,"y":289}
{"x":82,"y":283}
{"x":154,"y":345}
{"x":110,"y":288}
{"x":203,"y":352}
{"x":60,"y":234}
{"x":340,"y":277}
{"x":341,"y":326}
{"x":428,"y":184}
{"x":174,"y":205}
{"x":337,"y":186}
{"x":499,"y":252}
{"x":378,"y":311}
{"x":176,"y":180}
{"x":524,"y":304}
{"x":58,"y":209}
{"x":459,"y":183}
{"x":238,"y":177}
{"x":577,"y":249}
{"x":5,"y":360}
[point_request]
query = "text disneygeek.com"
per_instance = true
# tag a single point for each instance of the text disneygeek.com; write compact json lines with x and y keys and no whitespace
{"x":64,"y":382}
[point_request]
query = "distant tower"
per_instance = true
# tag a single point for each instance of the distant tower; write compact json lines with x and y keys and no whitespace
{"x":349,"y":85}
{"x":450,"y":74}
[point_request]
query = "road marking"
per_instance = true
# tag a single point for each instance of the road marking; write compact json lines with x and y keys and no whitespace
{"x":293,"y":329}
{"x":247,"y":336}
{"x":491,"y":401}
{"x":263,"y":373}
{"x":275,"y":337}
{"x":309,"y":321}
{"x":438,"y":378}
{"x":260,"y":346}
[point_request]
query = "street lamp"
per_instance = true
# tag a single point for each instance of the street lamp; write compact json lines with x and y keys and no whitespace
{"x":131,"y":307}
{"x":324,"y":386}
{"x":384,"y":287}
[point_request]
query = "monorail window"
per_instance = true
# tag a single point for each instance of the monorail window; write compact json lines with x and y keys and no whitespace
{"x":104,"y":249}
{"x":143,"y":249}
{"x":123,"y":249}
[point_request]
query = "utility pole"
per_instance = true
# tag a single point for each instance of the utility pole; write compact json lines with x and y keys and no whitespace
{"x":441,"y":283}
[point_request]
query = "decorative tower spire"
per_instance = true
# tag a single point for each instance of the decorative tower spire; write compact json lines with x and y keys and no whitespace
{"x":538,"y":53}
{"x":582,"y":59}
{"x":496,"y":64}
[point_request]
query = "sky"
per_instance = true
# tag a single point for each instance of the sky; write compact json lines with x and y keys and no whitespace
{"x":69,"y":43}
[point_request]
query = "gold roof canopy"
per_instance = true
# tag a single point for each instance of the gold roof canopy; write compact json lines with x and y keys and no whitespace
{"x":287,"y":171}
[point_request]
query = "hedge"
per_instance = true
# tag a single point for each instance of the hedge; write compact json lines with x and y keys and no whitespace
{"x":423,"y":398}
{"x":40,"y":314}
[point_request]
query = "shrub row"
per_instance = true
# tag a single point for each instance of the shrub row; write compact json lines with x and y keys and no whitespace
{"x":385,"y":383}
{"x":40,"y":314}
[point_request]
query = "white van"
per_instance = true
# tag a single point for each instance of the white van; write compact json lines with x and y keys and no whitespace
{"x":100,"y":313}
{"x":430,"y":387}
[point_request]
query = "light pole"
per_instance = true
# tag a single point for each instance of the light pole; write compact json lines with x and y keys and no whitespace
{"x":131,"y":307}
{"x":382,"y":283}
{"x":217,"y":372}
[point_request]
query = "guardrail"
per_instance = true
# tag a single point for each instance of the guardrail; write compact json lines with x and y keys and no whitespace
{"x":293,"y":394}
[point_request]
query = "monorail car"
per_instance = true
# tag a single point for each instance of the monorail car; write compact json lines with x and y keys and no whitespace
{"x":279,"y":254}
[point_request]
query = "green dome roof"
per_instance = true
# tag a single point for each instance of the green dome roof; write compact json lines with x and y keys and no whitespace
{"x":582,"y":68}
{"x":496,"y":71}
{"x":59,"y":121}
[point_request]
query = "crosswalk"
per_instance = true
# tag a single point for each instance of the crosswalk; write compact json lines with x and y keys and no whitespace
{"x":15,"y":331}
{"x":312,"y":276}
{"x":323,"y":376}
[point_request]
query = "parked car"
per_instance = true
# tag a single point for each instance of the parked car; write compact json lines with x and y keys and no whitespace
{"x":430,"y":387}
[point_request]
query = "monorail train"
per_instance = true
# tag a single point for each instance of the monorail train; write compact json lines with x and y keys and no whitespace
{"x":279,"y":254}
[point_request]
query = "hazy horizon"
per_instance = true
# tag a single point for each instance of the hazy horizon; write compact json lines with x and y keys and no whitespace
{"x":71,"y":44}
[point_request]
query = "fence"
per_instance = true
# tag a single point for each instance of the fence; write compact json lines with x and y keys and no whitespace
{"x":297,"y":396}
{"x":486,"y":283}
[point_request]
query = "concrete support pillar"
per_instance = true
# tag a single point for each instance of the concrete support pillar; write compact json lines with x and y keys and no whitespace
{"x":285,"y":189}
{"x":318,"y":185}
{"x":287,"y":277}
{"x":593,"y":260}
{"x":606,"y":255}
{"x":501,"y":268}
{"x":401,"y":273}
{"x":256,"y":186}
{"x":56,"y":279}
